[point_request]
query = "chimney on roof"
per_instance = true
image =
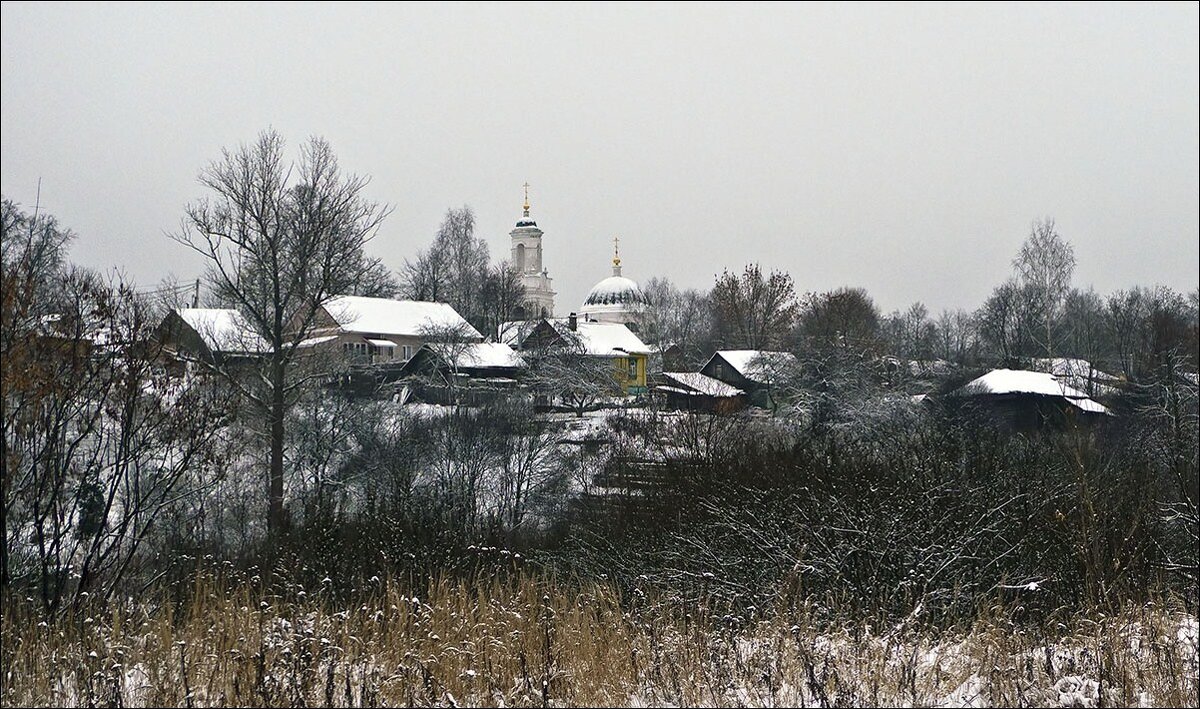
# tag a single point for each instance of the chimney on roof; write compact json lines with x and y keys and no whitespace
{"x":572,"y":322}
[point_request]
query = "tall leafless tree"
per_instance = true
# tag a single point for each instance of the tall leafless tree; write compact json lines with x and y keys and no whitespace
{"x":955,"y":335}
{"x":33,"y":257}
{"x":279,"y":240}
{"x":754,"y":311}
{"x":679,"y":317}
{"x":1044,"y":267}
{"x":1008,"y":321}
{"x":453,"y":269}
{"x":502,"y":298}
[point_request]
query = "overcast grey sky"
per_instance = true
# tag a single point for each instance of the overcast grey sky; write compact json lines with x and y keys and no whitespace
{"x":905,"y":149}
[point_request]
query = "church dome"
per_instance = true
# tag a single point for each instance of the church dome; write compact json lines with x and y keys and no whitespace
{"x":616,"y":290}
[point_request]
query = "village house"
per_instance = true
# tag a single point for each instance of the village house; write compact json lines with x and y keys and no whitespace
{"x":756,"y":372}
{"x":611,"y":341}
{"x":1022,"y":400}
{"x":470,"y":373}
{"x":693,"y":391}
{"x":218,"y":336}
{"x":382,"y":331}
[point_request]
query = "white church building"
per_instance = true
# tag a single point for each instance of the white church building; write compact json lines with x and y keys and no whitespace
{"x":527,"y":259}
{"x":615,"y":299}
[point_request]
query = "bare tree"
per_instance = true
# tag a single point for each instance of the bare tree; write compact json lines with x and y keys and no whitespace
{"x":1127,"y":316}
{"x":1045,"y":266}
{"x":502,"y":297}
{"x":1085,"y":329}
{"x":98,"y":443}
{"x":912,"y":333}
{"x":1008,"y":319}
{"x":279,"y":241}
{"x":680,"y":317}
{"x":526,"y":469}
{"x":424,"y":277}
{"x":564,"y":371}
{"x":33,"y":251}
{"x":454,"y":267}
{"x":955,"y":335}
{"x":846,"y":318}
{"x":375,"y":279}
{"x":753,"y":311}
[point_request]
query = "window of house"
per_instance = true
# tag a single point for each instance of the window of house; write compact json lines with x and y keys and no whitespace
{"x":633,"y":367}
{"x":407,"y":352}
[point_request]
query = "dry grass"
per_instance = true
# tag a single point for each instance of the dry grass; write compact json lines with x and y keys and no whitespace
{"x":533,"y":642}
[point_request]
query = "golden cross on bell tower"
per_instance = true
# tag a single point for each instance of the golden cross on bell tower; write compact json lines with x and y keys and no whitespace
{"x":527,"y":199}
{"x":616,"y":255}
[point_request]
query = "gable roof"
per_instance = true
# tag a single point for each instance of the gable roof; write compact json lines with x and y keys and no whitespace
{"x":223,"y":330}
{"x":1072,"y":367}
{"x":603,"y":339}
{"x":1079,"y":373}
{"x":514,"y":332}
{"x":702,"y":384}
{"x":384,"y":316}
{"x":1019,"y":381}
{"x":479,"y":355}
{"x":756,"y":365}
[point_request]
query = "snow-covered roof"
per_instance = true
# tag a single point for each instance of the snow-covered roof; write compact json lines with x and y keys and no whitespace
{"x":314,"y":341}
{"x":596,"y":338}
{"x":1019,"y":381}
{"x":381,"y":343}
{"x":1072,"y":367}
{"x":603,"y":339}
{"x":1078,"y":373}
{"x":756,"y":365}
{"x":223,"y":330}
{"x":513,"y":332}
{"x":384,"y":316}
{"x":479,"y":355}
{"x":615,"y":290}
{"x":702,"y":384}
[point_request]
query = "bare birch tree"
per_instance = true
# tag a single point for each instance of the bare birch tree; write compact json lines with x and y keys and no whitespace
{"x":1045,"y":266}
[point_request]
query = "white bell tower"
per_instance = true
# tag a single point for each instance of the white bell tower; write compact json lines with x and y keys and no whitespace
{"x":527,"y":259}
